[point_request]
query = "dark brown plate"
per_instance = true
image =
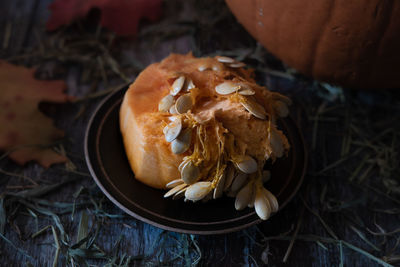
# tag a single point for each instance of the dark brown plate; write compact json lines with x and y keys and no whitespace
{"x":110,"y":169}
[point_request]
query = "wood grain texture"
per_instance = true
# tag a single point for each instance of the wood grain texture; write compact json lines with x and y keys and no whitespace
{"x":153,"y":246}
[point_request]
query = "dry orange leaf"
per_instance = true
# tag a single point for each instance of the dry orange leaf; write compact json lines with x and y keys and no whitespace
{"x":120,"y":16}
{"x":23,"y":127}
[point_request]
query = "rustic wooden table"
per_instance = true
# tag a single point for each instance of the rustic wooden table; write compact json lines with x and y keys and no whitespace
{"x":329,"y":230}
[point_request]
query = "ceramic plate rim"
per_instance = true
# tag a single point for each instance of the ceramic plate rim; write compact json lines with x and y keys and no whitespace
{"x":242,"y":222}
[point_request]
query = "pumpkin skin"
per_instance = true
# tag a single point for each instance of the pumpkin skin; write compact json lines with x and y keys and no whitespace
{"x":351,"y":43}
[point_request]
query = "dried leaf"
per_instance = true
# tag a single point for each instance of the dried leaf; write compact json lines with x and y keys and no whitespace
{"x":24,"y":127}
{"x":121,"y":16}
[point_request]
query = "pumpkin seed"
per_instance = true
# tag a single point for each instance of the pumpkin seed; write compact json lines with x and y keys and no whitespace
{"x":172,"y":130}
{"x":179,"y":194}
{"x":247,"y":165}
{"x":229,"y":175}
{"x":254,"y":108}
{"x":261,"y":205}
{"x":282,"y":98}
{"x":198,"y":191}
{"x":266,"y":175}
{"x":231,"y":193}
{"x":189,"y":85}
{"x":219,"y":189}
{"x":216,"y":68}
{"x":202,"y":68}
{"x":281,"y":108}
{"x":207,"y":197}
{"x":165,"y":130}
{"x":190,"y":173}
{"x":238,"y":182}
{"x":227,"y":88}
{"x":177,"y":85}
{"x":172,"y":110}
{"x":247,"y":91}
{"x":252,"y":198}
{"x":237,"y":65}
{"x":276,"y":143}
{"x":174,"y":190}
{"x":244,"y":196}
{"x":165,"y":103}
{"x":224,"y":59}
{"x":272,"y":200}
{"x":172,"y":118}
{"x":174,"y":183}
{"x":182,"y":142}
{"x":181,"y":165}
{"x":183,"y":103}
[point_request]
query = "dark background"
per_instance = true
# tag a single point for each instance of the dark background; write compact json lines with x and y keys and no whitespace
{"x":346,"y":213}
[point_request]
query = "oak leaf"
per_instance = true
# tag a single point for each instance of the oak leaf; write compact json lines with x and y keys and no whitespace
{"x":120,"y":16}
{"x":24,"y":130}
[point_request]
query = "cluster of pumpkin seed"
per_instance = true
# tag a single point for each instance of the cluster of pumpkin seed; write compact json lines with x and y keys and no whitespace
{"x":174,"y":132}
{"x":227,"y":61}
{"x":239,"y":176}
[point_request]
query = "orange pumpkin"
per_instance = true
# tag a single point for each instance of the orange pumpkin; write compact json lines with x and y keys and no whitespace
{"x":352,"y":43}
{"x":214,"y":115}
{"x":202,"y":127}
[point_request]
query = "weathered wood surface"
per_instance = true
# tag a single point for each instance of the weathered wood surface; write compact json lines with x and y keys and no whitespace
{"x":25,"y":18}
